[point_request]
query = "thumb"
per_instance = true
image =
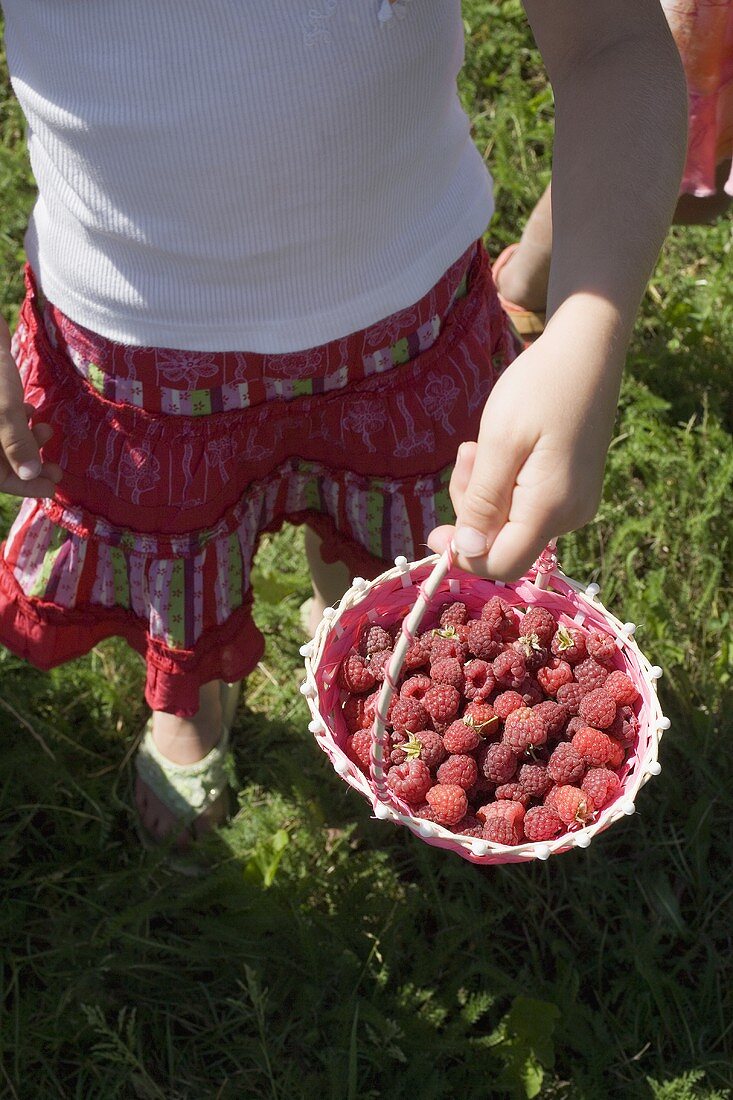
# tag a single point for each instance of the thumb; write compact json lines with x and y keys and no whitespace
{"x":487,"y":499}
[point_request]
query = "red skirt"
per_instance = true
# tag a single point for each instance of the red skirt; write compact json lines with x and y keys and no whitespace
{"x":176,"y":462}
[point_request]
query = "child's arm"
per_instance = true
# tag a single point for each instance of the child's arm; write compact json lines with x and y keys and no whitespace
{"x":19,"y":444}
{"x":537,"y":468}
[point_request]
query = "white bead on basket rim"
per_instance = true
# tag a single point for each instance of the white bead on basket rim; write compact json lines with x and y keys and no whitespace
{"x":646,"y":764}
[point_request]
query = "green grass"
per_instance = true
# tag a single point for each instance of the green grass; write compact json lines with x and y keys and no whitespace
{"x":331,"y":956}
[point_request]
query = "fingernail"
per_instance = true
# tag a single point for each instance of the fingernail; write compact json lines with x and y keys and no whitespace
{"x":470,"y":542}
{"x":29,"y":470}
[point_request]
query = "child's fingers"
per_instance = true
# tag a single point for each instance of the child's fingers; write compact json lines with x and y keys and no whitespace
{"x":17,"y":442}
{"x":462,"y":473}
{"x":44,"y":485}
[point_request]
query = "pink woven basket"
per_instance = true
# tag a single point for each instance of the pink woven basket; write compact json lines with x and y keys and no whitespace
{"x":412,"y":594}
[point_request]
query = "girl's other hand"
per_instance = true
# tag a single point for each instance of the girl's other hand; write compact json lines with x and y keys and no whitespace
{"x":536,"y":470}
{"x":23,"y":473}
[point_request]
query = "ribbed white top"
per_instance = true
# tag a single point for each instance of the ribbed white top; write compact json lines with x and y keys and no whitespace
{"x":262,"y":175}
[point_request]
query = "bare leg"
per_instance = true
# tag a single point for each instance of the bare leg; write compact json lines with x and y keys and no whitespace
{"x":184,"y":741}
{"x":329,"y":581}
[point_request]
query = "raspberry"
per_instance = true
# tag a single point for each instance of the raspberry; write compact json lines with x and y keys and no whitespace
{"x":459,"y":770}
{"x":418,"y":654}
{"x":541,"y":823}
{"x":446,"y":643}
{"x":531,"y":692}
{"x":524,"y":728}
{"x":448,"y":802}
{"x":479,"y":680}
{"x":566,"y":765}
{"x":497,"y":762}
{"x":358,"y":749}
{"x":534,"y":654}
{"x":483,"y":641}
{"x":554,"y":675}
{"x":593,"y":745}
{"x":630,"y":727}
{"x":618,"y":753}
{"x":573,"y":805}
{"x":601,"y":646}
{"x":598,"y":709}
{"x":498,"y":614}
{"x":510,"y":668}
{"x":416,"y":687}
{"x":427,"y":745}
{"x":512,"y":792}
{"x":374,"y":639}
{"x":507,"y":702}
{"x":602,"y":785}
{"x":573,"y":726}
{"x":534,"y":779}
{"x":590,"y":675}
{"x":541,"y":622}
{"x":554,"y":715}
{"x":355,"y":675}
{"x":469,"y":826}
{"x":378,"y":663}
{"x":411,"y":781}
{"x":454,"y":614}
{"x":481,"y":717}
{"x":353,"y":712}
{"x":621,"y":688}
{"x":569,"y":644}
{"x":410,"y":715}
{"x":503,"y":822}
{"x":461,"y":737}
{"x":448,"y":671}
{"x":442,"y":703}
{"x":425,"y":811}
{"x":570,"y":695}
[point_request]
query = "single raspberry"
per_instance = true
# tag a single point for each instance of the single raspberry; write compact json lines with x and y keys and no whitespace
{"x":379,"y":662}
{"x":573,"y":805}
{"x":497,"y":762}
{"x":448,"y":671}
{"x":426,"y":745}
{"x":593,"y":745}
{"x":566,"y":765}
{"x":461,"y":737}
{"x":541,"y":823}
{"x":416,"y":687}
{"x":409,"y":714}
{"x":425,"y":811}
{"x":602,"y":785}
{"x":621,"y":688}
{"x":418,"y":654}
{"x":353,"y":712}
{"x":460,"y":770}
{"x":448,"y":802}
{"x":590,"y":675}
{"x":483,"y":641}
{"x":554,"y":715}
{"x":374,"y":639}
{"x":630,"y":729}
{"x":442,"y":703}
{"x":507,"y":702}
{"x":570,"y":695}
{"x":576,"y":723}
{"x":569,"y":644}
{"x":601,"y":646}
{"x":358,"y":749}
{"x":618,"y":753}
{"x":446,"y":643}
{"x":510,"y":669}
{"x":598,"y":709}
{"x":462,"y":633}
{"x":355,"y":675}
{"x":469,"y":826}
{"x":549,"y":799}
{"x":411,"y":781}
{"x":512,"y":792}
{"x":503,"y":822}
{"x":481,"y":717}
{"x":500,"y":617}
{"x":454,"y":614}
{"x":534,"y":779}
{"x":541,"y":622}
{"x":535,"y":655}
{"x":554,"y":675}
{"x":479,"y":680}
{"x":524,"y":728}
{"x":531,"y":692}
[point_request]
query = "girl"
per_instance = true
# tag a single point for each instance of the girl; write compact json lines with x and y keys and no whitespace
{"x":255,"y":293}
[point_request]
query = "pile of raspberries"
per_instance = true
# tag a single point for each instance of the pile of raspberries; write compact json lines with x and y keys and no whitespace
{"x":510,"y":727}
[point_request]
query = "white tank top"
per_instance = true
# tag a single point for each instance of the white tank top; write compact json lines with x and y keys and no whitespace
{"x":262,"y":175}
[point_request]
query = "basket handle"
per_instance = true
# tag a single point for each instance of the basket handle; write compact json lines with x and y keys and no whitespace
{"x":544,"y":567}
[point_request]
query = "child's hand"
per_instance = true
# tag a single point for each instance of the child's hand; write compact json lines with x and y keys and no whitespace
{"x":22,"y":471}
{"x":537,"y":468}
